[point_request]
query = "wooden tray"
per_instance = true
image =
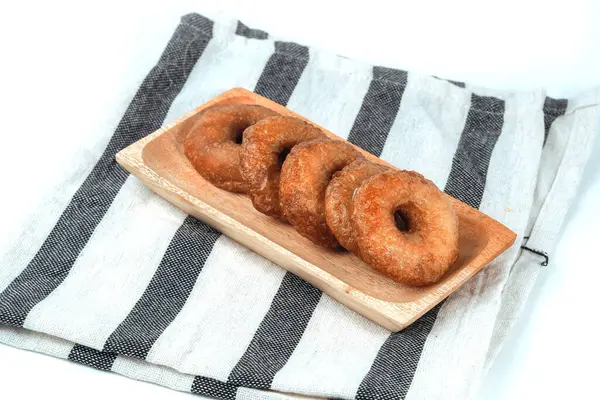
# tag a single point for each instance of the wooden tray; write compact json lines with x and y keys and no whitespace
{"x":159,"y":162}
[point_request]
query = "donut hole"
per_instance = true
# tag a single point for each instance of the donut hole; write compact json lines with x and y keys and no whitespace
{"x":237,"y":130}
{"x":238,"y":136}
{"x":401,"y":220}
{"x":282,"y":156}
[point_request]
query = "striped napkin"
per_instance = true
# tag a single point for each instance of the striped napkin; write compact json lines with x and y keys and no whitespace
{"x":109,"y":275}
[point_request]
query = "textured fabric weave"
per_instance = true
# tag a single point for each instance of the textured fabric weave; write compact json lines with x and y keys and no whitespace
{"x":115,"y":278}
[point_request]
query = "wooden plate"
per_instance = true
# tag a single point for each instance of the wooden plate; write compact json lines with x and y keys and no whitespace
{"x":159,"y":162}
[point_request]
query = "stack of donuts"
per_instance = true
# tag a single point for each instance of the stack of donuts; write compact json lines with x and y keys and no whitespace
{"x":397,"y":221}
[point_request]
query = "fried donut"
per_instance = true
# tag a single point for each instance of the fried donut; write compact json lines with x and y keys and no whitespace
{"x":426,"y":250}
{"x":304,"y":178}
{"x":265,"y":146}
{"x":213,"y":145}
{"x":338,"y":200}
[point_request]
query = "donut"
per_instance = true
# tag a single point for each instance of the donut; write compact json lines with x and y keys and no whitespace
{"x":213,"y":145}
{"x":264,"y":149}
{"x":422,"y":253}
{"x":305,"y":175}
{"x":338,"y":200}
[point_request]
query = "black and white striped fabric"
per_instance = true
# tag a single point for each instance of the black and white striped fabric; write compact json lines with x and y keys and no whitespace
{"x":111,"y":276}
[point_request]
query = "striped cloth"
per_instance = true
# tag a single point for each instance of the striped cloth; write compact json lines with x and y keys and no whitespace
{"x":109,"y":275}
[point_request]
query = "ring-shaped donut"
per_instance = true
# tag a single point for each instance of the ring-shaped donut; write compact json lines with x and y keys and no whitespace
{"x":423,"y":253}
{"x":265,"y":147}
{"x":338,"y":200}
{"x":213,"y":145}
{"x":305,"y":175}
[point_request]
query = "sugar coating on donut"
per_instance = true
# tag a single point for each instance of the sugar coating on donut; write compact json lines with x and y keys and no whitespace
{"x":338,"y":199}
{"x":213,"y":144}
{"x":264,"y":148}
{"x":305,"y":175}
{"x":423,"y":253}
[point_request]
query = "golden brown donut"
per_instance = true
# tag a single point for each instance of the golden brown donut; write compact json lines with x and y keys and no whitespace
{"x":213,"y":145}
{"x":338,"y":199}
{"x":423,"y":253}
{"x":304,"y":177}
{"x":265,"y":147}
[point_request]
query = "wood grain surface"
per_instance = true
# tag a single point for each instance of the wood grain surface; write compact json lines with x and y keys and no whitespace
{"x":159,"y":162}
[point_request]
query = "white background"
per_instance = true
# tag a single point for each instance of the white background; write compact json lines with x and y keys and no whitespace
{"x":63,"y":63}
